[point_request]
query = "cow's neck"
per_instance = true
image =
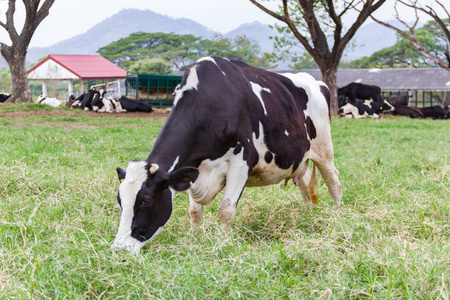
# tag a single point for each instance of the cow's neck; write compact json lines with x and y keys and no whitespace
{"x":173,"y":144}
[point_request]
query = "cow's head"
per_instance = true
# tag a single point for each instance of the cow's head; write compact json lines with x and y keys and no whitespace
{"x":145,"y":196}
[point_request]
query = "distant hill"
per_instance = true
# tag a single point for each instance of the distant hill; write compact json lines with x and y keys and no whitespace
{"x":369,"y":38}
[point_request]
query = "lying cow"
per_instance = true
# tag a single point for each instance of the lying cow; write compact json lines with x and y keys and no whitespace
{"x":135,"y":105}
{"x":406,"y":110}
{"x":396,"y":100}
{"x":111,"y":105}
{"x":49,"y":101}
{"x":367,"y":109}
{"x":4,"y":97}
{"x":232,"y":125}
{"x":89,"y":96}
{"x":435,"y":112}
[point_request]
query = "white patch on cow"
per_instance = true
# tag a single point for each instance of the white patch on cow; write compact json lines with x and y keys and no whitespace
{"x":136,"y":174}
{"x":317,"y":107}
{"x":286,"y":133}
{"x":257,"y":89}
{"x":174,"y":164}
{"x":208,"y":58}
{"x":191,"y":83}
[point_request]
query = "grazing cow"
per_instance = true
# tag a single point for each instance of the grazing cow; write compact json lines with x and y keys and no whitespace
{"x":355,"y":91}
{"x":232,"y":125}
{"x":49,"y":101}
{"x":401,"y":99}
{"x":4,"y":97}
{"x":134,"y":105}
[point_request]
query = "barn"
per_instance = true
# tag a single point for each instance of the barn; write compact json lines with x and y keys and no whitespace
{"x":69,"y":67}
{"x":424,"y":85}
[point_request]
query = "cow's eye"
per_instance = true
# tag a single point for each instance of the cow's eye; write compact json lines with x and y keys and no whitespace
{"x":146,"y":202}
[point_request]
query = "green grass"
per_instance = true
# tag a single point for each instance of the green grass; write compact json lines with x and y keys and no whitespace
{"x":389,"y":240}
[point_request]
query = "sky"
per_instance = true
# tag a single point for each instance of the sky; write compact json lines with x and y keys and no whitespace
{"x":68,"y":18}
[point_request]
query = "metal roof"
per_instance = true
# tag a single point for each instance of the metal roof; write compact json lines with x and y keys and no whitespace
{"x":68,"y":66}
{"x":390,"y":79}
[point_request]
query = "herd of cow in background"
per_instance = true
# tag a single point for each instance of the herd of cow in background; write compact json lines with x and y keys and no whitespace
{"x":357,"y":100}
{"x":98,"y":101}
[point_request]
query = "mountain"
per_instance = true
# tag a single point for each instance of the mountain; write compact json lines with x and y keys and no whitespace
{"x":256,"y":31}
{"x":119,"y":26}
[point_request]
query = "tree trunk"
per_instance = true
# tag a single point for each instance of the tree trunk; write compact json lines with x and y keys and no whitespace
{"x":329,"y":76}
{"x":21,"y":89}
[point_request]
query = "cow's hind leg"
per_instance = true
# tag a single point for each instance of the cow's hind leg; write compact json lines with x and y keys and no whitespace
{"x":323,"y":158}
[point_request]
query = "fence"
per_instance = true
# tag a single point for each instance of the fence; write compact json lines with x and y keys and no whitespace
{"x":421,"y":98}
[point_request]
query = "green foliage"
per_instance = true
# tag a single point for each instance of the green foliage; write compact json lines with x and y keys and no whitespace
{"x":179,"y":51}
{"x":151,"y":66}
{"x":404,"y":54}
{"x":389,"y":240}
{"x":5,"y":81}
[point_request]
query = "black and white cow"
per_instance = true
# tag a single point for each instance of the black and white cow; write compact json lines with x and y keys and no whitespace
{"x":86,"y":103}
{"x":366,"y":109}
{"x":135,"y":105}
{"x":4,"y":97}
{"x":355,"y":91}
{"x":232,"y":125}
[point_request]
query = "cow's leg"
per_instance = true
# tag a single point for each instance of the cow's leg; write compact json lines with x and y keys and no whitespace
{"x":235,"y":182}
{"x":195,"y":211}
{"x":323,"y":158}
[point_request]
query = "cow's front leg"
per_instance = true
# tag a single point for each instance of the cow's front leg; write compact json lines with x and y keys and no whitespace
{"x":237,"y":176}
{"x":195,"y":211}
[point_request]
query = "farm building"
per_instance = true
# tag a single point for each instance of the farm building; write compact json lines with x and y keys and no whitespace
{"x":66,"y":67}
{"x":422,"y":84}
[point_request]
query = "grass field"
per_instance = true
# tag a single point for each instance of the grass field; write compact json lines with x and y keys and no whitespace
{"x":389,"y":240}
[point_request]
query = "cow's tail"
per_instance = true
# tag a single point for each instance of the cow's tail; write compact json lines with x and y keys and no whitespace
{"x":313,"y":186}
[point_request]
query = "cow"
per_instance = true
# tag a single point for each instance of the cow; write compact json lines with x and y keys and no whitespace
{"x":48,"y":101}
{"x":86,"y":103}
{"x":97,"y":100}
{"x":435,"y":112}
{"x":4,"y":97}
{"x":232,"y":125}
{"x":134,"y":105}
{"x":111,"y":105}
{"x":406,"y":110}
{"x":402,"y":99}
{"x":366,"y":109}
{"x":355,"y":91}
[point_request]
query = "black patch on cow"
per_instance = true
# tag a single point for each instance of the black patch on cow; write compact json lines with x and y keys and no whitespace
{"x":268,"y":157}
{"x":311,"y":128}
{"x":237,"y":149}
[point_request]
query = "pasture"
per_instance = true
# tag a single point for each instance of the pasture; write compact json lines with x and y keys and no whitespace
{"x":58,"y":216}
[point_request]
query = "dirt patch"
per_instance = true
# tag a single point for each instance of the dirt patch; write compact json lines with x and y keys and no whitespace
{"x":157,"y":114}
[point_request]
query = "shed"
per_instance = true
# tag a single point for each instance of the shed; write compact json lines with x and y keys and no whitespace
{"x":421,"y":83}
{"x":71,"y":67}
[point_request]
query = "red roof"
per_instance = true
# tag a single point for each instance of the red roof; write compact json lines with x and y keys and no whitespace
{"x":86,"y":66}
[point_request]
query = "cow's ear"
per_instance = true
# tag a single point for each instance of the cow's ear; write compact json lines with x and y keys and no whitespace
{"x":121,"y":173}
{"x":181,"y":179}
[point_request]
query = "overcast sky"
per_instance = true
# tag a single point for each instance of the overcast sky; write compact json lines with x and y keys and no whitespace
{"x":68,"y":18}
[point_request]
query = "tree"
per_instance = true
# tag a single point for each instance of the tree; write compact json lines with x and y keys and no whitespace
{"x":15,"y":54}
{"x":151,"y":66}
{"x":411,"y":33}
{"x":315,"y":23}
{"x":180,"y":51}
{"x":403,"y":53}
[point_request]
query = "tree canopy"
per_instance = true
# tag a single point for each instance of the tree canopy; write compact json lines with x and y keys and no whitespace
{"x":179,"y":51}
{"x":404,"y":54}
